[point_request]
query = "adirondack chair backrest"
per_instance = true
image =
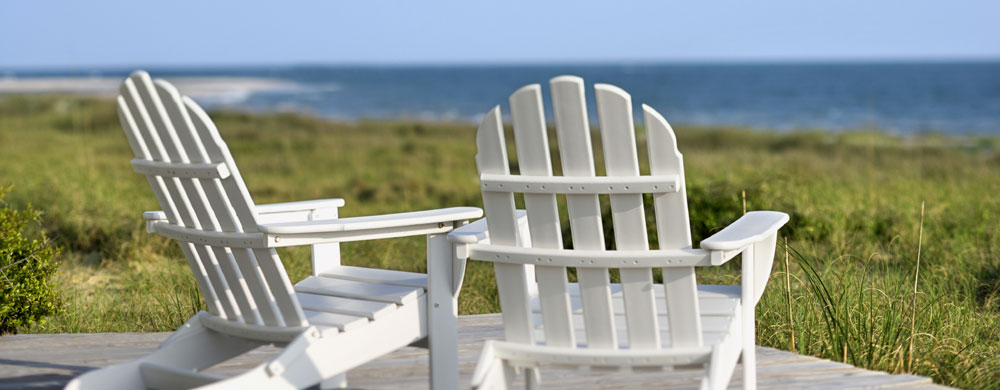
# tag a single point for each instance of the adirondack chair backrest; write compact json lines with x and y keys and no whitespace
{"x":623,"y":185}
{"x":193,"y":176}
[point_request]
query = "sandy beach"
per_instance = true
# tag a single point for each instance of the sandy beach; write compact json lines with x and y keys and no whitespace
{"x":217,"y":89}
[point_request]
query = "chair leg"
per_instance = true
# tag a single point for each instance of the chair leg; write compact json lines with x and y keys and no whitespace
{"x":748,"y":301}
{"x":315,"y":357}
{"x":442,"y":319}
{"x":337,"y":382}
{"x":721,"y":366}
{"x":531,"y":379}
{"x":749,"y":354}
{"x":192,"y":347}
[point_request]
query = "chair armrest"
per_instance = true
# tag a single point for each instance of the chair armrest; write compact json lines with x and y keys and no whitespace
{"x":366,"y":228}
{"x":299,"y":206}
{"x":473,"y":233}
{"x":750,"y":228}
{"x":308,"y":210}
{"x":754,"y":235}
{"x":479,"y":232}
{"x":463,"y":237}
{"x":152,"y":218}
{"x":374,"y":222}
{"x":270,"y":213}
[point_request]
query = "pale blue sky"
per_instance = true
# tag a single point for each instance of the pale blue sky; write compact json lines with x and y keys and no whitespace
{"x":68,"y":34}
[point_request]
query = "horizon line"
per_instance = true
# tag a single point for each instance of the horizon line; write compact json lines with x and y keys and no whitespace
{"x":508,"y":63}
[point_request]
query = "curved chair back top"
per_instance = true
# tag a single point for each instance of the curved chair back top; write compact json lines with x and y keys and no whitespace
{"x":196,"y":182}
{"x":624,"y":186}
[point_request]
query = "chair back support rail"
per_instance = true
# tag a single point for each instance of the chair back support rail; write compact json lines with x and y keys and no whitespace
{"x":625,"y":188}
{"x":207,"y":206}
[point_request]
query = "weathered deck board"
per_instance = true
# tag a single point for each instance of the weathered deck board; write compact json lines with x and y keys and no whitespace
{"x":49,"y":361}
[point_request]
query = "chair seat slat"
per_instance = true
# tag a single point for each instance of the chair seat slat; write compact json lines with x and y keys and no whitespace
{"x":382,"y":276}
{"x":342,"y":322}
{"x":359,"y":290}
{"x":371,"y":310}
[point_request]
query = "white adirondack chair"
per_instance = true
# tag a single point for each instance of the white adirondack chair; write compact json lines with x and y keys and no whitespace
{"x":596,"y":323}
{"x":337,"y":319}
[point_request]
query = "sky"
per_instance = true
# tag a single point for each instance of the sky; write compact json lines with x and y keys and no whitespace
{"x":97,"y":33}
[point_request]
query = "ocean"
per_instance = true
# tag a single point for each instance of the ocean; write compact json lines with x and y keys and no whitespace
{"x":953,"y":98}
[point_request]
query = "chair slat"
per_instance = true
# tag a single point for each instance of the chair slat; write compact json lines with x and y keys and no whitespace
{"x":372,"y":310}
{"x":673,"y":230}
{"x":212,"y":200}
{"x":240,"y":209}
{"x":614,"y":108}
{"x":238,"y":284}
{"x":220,"y":280}
{"x":359,"y":290}
{"x":577,"y":156}
{"x":140,"y":142}
{"x":343,"y":322}
{"x":532,"y":143}
{"x":512,"y":279}
{"x":166,"y":129}
{"x":210,"y":294}
{"x":240,"y":205}
{"x":195,"y":201}
{"x":212,"y":204}
{"x":189,"y":146}
{"x":382,"y":276}
{"x":281,"y":287}
{"x":253,"y":276}
{"x":157,"y":151}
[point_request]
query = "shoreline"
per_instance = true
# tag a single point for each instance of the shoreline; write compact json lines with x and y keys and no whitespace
{"x":221,"y":89}
{"x":218,"y":94}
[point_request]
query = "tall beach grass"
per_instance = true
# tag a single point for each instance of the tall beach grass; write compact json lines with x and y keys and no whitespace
{"x":854,"y":200}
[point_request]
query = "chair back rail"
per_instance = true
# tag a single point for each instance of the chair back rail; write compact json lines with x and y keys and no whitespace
{"x":617,"y":132}
{"x":196,"y":182}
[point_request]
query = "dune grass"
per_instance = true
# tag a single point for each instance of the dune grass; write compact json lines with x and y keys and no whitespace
{"x":854,"y":200}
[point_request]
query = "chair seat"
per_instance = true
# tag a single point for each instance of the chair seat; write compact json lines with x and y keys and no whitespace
{"x":347,"y":297}
{"x":719,"y":307}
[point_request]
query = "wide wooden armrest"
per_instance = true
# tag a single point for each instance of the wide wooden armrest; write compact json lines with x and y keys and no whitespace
{"x":472,"y":233}
{"x":749,"y":229}
{"x":299,"y":206}
{"x":477,"y":232}
{"x":270,"y":213}
{"x":308,"y":210}
{"x":374,"y":222}
{"x":152,"y":218}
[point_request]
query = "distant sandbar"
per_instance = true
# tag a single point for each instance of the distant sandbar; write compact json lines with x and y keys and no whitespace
{"x":219,"y":89}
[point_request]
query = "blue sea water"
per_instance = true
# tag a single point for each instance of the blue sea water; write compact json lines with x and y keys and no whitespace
{"x":962,"y":98}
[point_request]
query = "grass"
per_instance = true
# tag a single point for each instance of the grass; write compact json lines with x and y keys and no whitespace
{"x":854,"y":200}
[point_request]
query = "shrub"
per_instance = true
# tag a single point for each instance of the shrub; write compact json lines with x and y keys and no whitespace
{"x":26,"y":270}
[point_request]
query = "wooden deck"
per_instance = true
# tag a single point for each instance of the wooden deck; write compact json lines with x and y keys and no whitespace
{"x":49,"y":361}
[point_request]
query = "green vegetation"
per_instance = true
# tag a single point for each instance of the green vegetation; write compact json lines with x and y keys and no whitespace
{"x":27,"y":295}
{"x":854,"y":200}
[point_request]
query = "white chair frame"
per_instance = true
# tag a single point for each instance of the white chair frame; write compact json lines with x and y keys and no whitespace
{"x":335,"y":320}
{"x":595,"y":323}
